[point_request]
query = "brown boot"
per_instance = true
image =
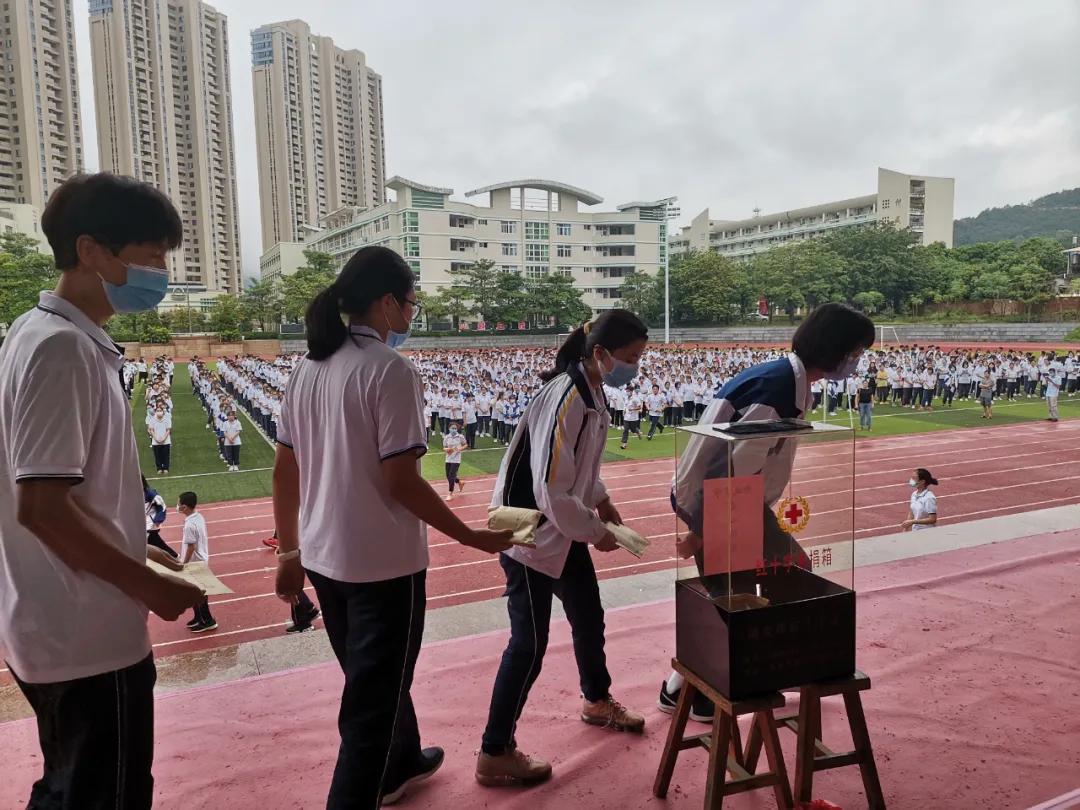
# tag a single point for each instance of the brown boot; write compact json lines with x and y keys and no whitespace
{"x":512,"y":769}
{"x":612,"y":714}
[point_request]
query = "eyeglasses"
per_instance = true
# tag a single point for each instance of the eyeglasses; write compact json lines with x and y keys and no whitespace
{"x":416,"y":305}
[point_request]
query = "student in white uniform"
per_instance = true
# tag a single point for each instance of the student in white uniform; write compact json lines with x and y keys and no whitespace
{"x":553,"y":465}
{"x":231,"y":429}
{"x":453,"y":444}
{"x":349,"y":498}
{"x":195,"y":548}
{"x":73,"y":571}
{"x":923,"y":511}
{"x":159,"y":428}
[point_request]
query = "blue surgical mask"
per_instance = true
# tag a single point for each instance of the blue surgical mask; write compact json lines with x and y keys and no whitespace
{"x":144,"y":289}
{"x":395,"y":340}
{"x":621,"y":373}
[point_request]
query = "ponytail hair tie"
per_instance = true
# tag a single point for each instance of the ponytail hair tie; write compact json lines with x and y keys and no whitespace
{"x":586,"y":326}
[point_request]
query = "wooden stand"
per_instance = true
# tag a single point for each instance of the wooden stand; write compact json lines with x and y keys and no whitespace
{"x":811,"y":753}
{"x":724,"y":744}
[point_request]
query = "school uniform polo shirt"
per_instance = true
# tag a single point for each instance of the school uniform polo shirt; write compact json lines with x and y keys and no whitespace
{"x":343,"y":417}
{"x":63,"y":414}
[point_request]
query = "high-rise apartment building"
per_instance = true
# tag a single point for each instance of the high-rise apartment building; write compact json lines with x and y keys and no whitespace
{"x":319,"y":129}
{"x":40,"y":135}
{"x":164,"y":116}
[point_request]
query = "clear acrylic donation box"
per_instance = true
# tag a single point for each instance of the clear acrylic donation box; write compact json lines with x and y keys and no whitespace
{"x":764,"y":596}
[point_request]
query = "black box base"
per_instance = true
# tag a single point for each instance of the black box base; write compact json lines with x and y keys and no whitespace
{"x":805,"y":634}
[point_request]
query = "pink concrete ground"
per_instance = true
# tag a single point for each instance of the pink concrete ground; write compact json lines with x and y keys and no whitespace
{"x":974,"y":656}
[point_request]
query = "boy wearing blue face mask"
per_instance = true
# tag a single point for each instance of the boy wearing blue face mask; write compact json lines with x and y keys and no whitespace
{"x":72,"y":523}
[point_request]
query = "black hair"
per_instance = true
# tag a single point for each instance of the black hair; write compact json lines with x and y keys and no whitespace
{"x":923,"y":474}
{"x":829,"y":334}
{"x":145,"y":483}
{"x":188,"y":499}
{"x":114,"y":211}
{"x":613,"y":329}
{"x":371,"y":273}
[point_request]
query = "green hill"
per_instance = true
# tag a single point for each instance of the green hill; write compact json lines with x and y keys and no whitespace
{"x":1056,"y":215}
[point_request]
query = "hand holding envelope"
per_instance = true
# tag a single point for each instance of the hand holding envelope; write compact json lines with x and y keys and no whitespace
{"x":524,"y":522}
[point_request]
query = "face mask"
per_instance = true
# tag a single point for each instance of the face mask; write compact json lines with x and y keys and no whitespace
{"x":453,"y":431}
{"x":395,"y":340}
{"x":912,"y":482}
{"x":620,"y":374}
{"x":144,"y":289}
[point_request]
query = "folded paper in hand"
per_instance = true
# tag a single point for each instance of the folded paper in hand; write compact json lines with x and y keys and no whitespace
{"x":628,"y":539}
{"x":522,"y":522}
{"x":197,"y":573}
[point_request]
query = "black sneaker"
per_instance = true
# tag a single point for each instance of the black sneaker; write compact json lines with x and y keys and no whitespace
{"x":202,"y":628}
{"x":431,"y":759}
{"x":701,"y":711}
{"x":192,"y":623}
{"x":304,"y":625}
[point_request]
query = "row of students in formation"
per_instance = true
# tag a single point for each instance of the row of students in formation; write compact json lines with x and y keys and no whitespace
{"x":157,"y":379}
{"x":221,"y":415}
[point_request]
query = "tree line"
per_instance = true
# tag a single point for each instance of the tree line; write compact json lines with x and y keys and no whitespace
{"x":881,"y":270}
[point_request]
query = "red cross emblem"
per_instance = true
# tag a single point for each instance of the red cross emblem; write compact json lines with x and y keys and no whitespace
{"x":794,"y":514}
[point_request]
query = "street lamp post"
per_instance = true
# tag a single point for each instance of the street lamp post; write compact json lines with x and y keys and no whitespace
{"x":671,"y":211}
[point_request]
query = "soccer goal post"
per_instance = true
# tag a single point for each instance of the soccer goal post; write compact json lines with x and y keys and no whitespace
{"x":888,"y":336}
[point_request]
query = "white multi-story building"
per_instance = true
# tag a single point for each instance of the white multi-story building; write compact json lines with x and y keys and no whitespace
{"x":923,"y":204}
{"x":25,"y":219}
{"x":318,"y":127}
{"x":164,"y":116}
{"x":529,"y":227}
{"x":40,"y":135}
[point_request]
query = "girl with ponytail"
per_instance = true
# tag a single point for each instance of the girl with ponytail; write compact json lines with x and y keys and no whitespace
{"x":350,"y":508}
{"x":552,"y":465}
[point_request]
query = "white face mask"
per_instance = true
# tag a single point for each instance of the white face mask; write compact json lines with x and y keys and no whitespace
{"x":912,"y":482}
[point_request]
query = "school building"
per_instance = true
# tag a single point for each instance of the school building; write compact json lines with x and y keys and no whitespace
{"x":923,"y":204}
{"x":530,"y":227}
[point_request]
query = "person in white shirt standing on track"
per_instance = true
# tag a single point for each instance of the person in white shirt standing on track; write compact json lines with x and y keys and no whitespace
{"x":923,"y":511}
{"x":453,"y":444}
{"x":74,"y":584}
{"x":553,"y":465}
{"x":196,"y":548}
{"x":349,"y":497}
{"x":1052,"y":387}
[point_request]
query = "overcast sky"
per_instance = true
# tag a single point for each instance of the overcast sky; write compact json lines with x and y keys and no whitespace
{"x":727,"y":106}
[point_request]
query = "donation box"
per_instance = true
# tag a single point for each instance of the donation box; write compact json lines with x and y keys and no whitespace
{"x":764,"y":595}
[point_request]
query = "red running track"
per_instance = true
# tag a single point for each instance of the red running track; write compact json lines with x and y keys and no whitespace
{"x":983,"y":473}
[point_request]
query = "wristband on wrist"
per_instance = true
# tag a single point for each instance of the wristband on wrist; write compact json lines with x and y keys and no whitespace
{"x":287,"y":555}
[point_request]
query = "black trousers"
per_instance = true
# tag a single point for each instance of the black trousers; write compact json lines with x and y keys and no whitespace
{"x":97,"y":740}
{"x":153,"y":538}
{"x":688,"y":410}
{"x":655,"y":425}
{"x":631,"y":426}
{"x":529,"y":604}
{"x":232,"y":454}
{"x":161,"y":456}
{"x":451,"y":474}
{"x":375,"y":629}
{"x":470,"y":436}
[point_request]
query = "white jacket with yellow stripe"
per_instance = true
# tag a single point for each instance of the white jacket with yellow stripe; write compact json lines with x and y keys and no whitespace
{"x":553,"y":465}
